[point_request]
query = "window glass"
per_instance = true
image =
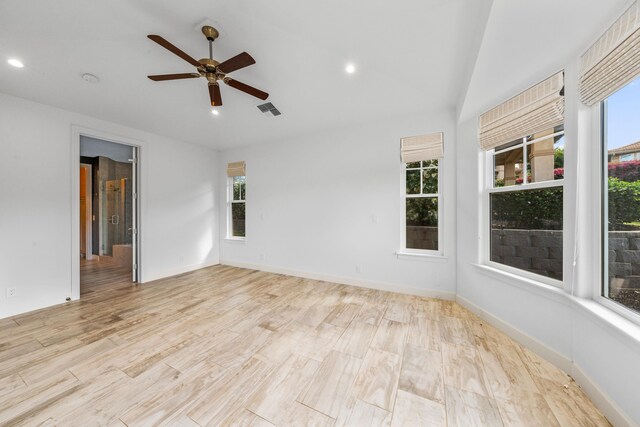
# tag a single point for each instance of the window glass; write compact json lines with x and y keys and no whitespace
{"x":422,"y":223}
{"x":526,"y":230}
{"x":421,"y":205}
{"x":508,"y":168}
{"x":526,"y":222}
{"x":237,"y":206}
{"x":621,"y":281}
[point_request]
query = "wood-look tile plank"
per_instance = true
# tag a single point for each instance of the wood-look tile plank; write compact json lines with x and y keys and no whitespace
{"x":331,"y":383}
{"x":422,"y":373}
{"x":25,"y":402}
{"x":569,"y":404}
{"x":377,"y":380}
{"x":527,"y":409}
{"x":301,"y":415}
{"x":463,"y":369}
{"x":230,"y":393}
{"x":391,"y":336}
{"x":465,"y":408}
{"x":356,"y":339}
{"x":365,"y":414}
{"x":342,"y":315}
{"x":425,"y":333}
{"x":412,"y":410}
{"x":456,"y":331}
{"x":275,"y":399}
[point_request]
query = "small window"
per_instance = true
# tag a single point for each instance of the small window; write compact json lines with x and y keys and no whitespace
{"x":237,"y":190}
{"x":526,"y":203}
{"x":621,"y":190}
{"x":422,"y":205}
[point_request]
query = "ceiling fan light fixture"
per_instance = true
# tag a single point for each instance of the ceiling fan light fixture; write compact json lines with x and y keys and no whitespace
{"x":215,"y":112}
{"x":350,"y":68}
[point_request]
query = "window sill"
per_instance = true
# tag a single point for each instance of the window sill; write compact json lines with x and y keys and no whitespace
{"x":425,"y":256}
{"x":525,"y":283}
{"x":628,"y":330}
{"x":235,"y":239}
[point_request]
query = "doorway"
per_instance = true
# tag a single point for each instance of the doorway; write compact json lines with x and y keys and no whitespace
{"x":108,"y":205}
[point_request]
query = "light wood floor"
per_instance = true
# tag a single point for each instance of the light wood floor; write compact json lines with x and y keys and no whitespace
{"x":229,"y":346}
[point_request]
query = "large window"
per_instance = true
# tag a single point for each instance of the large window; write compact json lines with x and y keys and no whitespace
{"x":422,"y":204}
{"x":526,"y":203}
{"x":237,"y":198}
{"x":621,"y":189}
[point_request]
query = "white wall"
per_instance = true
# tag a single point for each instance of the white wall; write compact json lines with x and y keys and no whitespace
{"x":178,"y":203}
{"x":311,"y":203}
{"x":601,"y":351}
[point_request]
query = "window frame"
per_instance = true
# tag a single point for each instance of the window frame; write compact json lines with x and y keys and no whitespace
{"x":403,"y":211}
{"x":230,"y":203}
{"x":599,"y":118}
{"x":489,"y":188}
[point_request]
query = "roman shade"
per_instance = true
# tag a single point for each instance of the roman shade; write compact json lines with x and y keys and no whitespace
{"x":613,"y":60}
{"x":236,"y":169}
{"x":422,"y":147}
{"x":536,"y":109}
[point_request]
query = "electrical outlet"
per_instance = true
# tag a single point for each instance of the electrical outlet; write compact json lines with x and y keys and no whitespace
{"x":11,"y":292}
{"x":262,"y":257}
{"x":358,"y":268}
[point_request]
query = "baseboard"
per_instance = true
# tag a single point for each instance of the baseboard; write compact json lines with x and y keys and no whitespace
{"x":613,"y":413}
{"x":381,"y":286}
{"x":175,"y":271}
{"x":544,"y":351}
{"x":609,"y":408}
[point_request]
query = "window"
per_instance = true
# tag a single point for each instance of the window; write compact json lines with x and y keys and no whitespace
{"x":236,"y":200}
{"x":238,"y":192}
{"x":526,"y":203}
{"x":621,"y":190}
{"x":422,"y":204}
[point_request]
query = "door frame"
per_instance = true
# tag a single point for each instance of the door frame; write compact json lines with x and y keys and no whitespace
{"x":88,"y":241}
{"x":76,"y":132}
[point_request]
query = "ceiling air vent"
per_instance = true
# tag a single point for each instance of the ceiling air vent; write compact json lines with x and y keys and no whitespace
{"x":269,"y":108}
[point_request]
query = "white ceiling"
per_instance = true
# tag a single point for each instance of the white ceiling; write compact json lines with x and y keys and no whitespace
{"x":526,"y":41}
{"x":411,"y":57}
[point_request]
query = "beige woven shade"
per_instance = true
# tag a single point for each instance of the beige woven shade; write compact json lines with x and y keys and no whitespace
{"x":236,"y":169}
{"x":534,"y":110}
{"x":613,"y":60}
{"x":423,"y":147}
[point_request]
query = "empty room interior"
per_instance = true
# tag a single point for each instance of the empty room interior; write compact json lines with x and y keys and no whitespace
{"x":288,"y":213}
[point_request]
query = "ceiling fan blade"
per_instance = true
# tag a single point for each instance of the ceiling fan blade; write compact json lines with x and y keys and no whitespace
{"x":246,"y":88}
{"x":239,"y":61}
{"x":162,"y":77}
{"x":214,"y":94}
{"x":165,"y":44}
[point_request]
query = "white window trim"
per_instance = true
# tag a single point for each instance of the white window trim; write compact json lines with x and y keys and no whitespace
{"x":600,"y":215}
{"x":409,"y":252}
{"x":230,"y":202}
{"x":488,"y":189}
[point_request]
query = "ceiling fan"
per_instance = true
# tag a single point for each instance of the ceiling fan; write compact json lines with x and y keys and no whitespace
{"x":210,"y":69}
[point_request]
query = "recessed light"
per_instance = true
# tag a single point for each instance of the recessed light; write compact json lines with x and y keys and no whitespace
{"x":215,"y":112}
{"x":16,"y":63}
{"x":350,"y":69}
{"x":88,"y":77}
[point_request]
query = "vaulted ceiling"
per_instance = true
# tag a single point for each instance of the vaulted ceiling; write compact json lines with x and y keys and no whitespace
{"x":411,"y":57}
